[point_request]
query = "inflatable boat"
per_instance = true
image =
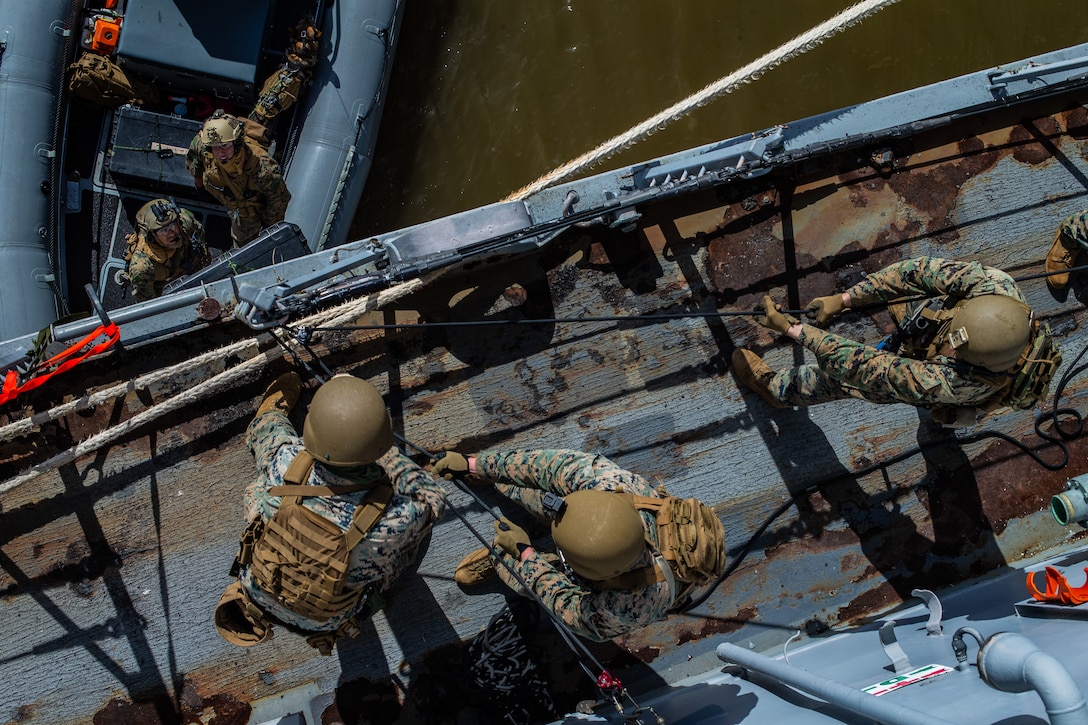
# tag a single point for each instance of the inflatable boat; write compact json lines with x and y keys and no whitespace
{"x":99,"y":100}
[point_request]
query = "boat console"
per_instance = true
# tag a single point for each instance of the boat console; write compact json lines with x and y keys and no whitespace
{"x":197,"y":44}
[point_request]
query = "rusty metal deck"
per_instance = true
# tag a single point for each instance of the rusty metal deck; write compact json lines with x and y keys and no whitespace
{"x":111,"y":567}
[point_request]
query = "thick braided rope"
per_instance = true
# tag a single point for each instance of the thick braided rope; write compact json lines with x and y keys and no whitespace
{"x":242,"y":348}
{"x":220,"y":381}
{"x":801,"y":44}
{"x":197,"y":392}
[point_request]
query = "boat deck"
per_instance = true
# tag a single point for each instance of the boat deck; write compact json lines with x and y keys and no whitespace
{"x":112,"y":565}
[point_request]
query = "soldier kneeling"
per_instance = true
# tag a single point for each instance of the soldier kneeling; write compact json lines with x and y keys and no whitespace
{"x":336,"y":516}
{"x":627,"y":554}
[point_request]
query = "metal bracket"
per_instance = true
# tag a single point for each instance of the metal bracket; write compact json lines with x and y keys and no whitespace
{"x":895,"y":653}
{"x":1009,"y":82}
{"x":936,"y":611}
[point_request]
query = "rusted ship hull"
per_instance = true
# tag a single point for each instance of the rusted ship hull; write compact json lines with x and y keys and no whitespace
{"x":112,"y":564}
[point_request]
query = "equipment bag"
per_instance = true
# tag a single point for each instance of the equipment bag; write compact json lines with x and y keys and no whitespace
{"x":101,"y":82}
{"x":1033,"y":371}
{"x":302,"y":558}
{"x":257,"y":131}
{"x":280,"y":92}
{"x":689,"y":535}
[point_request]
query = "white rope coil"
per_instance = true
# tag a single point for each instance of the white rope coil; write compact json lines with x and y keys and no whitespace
{"x":799,"y":45}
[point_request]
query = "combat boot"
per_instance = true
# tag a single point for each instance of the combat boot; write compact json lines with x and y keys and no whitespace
{"x":282,"y":394}
{"x":1059,"y":259}
{"x":756,"y":374}
{"x":475,"y":568}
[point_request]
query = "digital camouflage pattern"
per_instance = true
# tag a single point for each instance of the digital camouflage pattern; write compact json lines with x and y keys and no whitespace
{"x":249,"y":185}
{"x":388,"y":549}
{"x":850,"y":369}
{"x":1073,"y":231}
{"x":524,"y":476}
{"x":151,"y":265}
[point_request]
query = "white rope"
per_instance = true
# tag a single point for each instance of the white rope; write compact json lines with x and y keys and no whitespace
{"x":220,"y":381}
{"x":242,"y":348}
{"x":197,"y":392}
{"x":801,"y":44}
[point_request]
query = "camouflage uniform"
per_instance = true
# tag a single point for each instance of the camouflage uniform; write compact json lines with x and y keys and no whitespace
{"x":151,"y":265}
{"x":849,"y":369}
{"x":251,"y":187}
{"x":388,"y":549}
{"x":524,"y":476}
{"x":1073,"y":231}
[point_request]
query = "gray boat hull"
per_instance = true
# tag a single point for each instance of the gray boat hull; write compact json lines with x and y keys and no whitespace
{"x":30,"y":65}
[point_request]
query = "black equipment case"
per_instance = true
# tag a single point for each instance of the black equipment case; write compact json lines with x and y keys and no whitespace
{"x":148,"y":151}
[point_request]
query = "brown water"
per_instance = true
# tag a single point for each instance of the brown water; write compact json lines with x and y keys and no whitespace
{"x":487,"y":95}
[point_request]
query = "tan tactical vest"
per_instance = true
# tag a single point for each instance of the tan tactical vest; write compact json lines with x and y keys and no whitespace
{"x":98,"y":80}
{"x":302,"y":558}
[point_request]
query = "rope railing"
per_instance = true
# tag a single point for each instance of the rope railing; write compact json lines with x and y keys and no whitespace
{"x":199,"y":391}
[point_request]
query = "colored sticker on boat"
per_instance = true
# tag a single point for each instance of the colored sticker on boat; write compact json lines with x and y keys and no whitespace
{"x":907,"y":678}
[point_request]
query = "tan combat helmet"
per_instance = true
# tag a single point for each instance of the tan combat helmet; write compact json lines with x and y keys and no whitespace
{"x":599,"y":533}
{"x":221,"y":129}
{"x":347,"y":423}
{"x":991,"y":331}
{"x":156,"y":214}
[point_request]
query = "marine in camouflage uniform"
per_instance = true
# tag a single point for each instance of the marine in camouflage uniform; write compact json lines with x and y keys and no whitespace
{"x":1070,"y":242}
{"x":849,"y":369}
{"x":387,"y":550}
{"x":525,"y":476}
{"x":152,"y":264}
{"x":248,"y":183}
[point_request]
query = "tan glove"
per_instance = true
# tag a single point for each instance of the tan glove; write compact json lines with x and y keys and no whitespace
{"x":281,"y":395}
{"x":772,"y":316}
{"x":822,"y":309}
{"x":451,"y":464}
{"x":508,"y":535}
